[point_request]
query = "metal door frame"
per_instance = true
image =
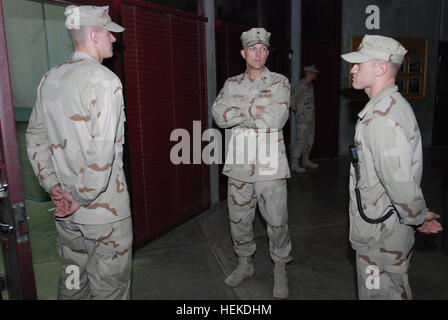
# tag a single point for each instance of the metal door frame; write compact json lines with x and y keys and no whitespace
{"x":16,"y":247}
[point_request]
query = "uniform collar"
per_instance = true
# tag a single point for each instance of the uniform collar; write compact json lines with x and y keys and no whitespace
{"x":387,"y":91}
{"x":306,"y":83}
{"x":79,"y":55}
{"x":265,"y":76}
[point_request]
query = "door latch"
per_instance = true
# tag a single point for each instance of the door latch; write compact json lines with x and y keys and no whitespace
{"x":3,"y":190}
{"x":6,"y":228}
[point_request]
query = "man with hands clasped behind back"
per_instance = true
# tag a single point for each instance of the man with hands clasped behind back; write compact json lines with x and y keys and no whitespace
{"x":75,"y":145}
{"x":386,"y":173}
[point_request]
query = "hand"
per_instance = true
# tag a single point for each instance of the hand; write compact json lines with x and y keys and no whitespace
{"x":431,"y":225}
{"x":260,"y":110}
{"x":66,"y":207}
{"x":56,"y":193}
{"x":63,"y":202}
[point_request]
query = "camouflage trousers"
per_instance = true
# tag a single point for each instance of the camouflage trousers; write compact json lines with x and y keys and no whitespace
{"x":304,"y":140}
{"x":377,"y":282}
{"x":272,"y":200}
{"x":95,"y":259}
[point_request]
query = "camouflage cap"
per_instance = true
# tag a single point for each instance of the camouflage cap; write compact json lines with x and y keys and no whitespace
{"x":377,"y":47}
{"x":311,"y":68}
{"x":254,"y":36}
{"x":77,"y":16}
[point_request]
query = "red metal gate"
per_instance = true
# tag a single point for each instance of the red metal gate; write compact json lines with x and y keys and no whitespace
{"x":165,"y":78}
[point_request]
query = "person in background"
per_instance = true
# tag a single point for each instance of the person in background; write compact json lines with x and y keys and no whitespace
{"x":302,"y":102}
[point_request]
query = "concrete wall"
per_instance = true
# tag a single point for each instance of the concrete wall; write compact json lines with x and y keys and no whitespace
{"x":411,"y":18}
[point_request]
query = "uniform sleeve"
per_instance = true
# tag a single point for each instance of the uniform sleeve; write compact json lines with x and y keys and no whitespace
{"x":392,"y":156}
{"x":276,"y":104}
{"x":38,"y":149}
{"x":104,"y":122}
{"x":298,"y":99}
{"x":229,"y":109}
{"x":295,"y":95}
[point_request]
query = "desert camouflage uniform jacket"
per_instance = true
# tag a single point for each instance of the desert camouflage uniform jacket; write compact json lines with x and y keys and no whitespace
{"x":235,"y":107}
{"x":75,"y":137}
{"x":390,"y":155}
{"x":302,"y":102}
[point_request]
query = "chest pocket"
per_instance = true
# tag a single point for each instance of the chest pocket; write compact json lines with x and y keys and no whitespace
{"x":366,"y":167}
{"x":308,"y":98}
{"x":363,"y":181}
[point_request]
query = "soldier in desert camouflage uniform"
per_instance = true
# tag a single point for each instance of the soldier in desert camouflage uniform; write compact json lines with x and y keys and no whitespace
{"x":75,"y":144}
{"x":302,"y":102}
{"x":389,"y":147}
{"x":255,"y":105}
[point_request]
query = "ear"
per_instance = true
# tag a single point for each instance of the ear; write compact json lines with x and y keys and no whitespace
{"x":382,"y":68}
{"x":93,"y":36}
{"x":243,"y":54}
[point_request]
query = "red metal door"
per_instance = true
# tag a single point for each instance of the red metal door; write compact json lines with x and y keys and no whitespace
{"x":165,"y":80}
{"x":15,"y":243}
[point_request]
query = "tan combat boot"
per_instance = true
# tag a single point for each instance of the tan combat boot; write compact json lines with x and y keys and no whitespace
{"x":281,"y":290}
{"x":308,"y":164}
{"x":244,"y":269}
{"x":296,"y":167}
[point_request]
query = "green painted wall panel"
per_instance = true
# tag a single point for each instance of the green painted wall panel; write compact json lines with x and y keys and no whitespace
{"x":37,"y":40}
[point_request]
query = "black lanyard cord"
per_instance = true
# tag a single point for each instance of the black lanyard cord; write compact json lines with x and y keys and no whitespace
{"x":358,"y":194}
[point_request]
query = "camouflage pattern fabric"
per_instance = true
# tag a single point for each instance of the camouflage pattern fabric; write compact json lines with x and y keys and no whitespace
{"x":253,"y":181}
{"x":75,"y":137}
{"x":103,"y":254}
{"x":272,"y":200}
{"x":389,"y":148}
{"x":235,"y":107}
{"x":302,"y":102}
{"x":391,"y":285}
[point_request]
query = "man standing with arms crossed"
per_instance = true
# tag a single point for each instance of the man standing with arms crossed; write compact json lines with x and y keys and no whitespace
{"x":387,"y":175}
{"x":256,"y":104}
{"x":75,"y":144}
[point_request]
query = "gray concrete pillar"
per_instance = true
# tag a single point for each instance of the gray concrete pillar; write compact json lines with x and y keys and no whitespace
{"x":296,"y":42}
{"x":209,"y":7}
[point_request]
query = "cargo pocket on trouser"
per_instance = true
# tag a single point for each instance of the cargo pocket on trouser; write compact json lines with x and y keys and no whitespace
{"x":73,"y":282}
{"x":272,"y":199}
{"x":242,"y":204}
{"x":109,"y":267}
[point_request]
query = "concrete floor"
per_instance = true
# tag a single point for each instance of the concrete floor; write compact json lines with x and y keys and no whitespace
{"x":191,"y":261}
